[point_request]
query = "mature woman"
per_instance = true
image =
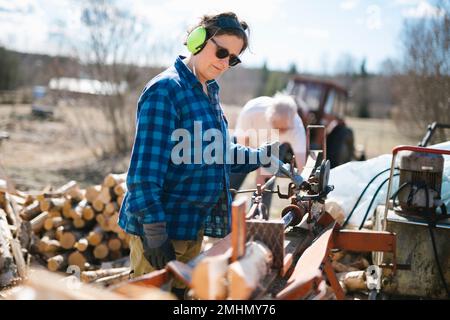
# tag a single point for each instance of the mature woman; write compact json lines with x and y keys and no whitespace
{"x":173,"y":197}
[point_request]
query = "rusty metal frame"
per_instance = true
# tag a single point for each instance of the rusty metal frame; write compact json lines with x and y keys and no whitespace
{"x":366,"y":241}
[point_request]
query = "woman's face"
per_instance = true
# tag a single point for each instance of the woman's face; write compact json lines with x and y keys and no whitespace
{"x":207,"y":65}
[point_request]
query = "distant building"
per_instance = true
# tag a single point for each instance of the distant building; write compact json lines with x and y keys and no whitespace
{"x":86,"y":86}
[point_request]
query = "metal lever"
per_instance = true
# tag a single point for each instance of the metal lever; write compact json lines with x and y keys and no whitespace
{"x":285,"y":168}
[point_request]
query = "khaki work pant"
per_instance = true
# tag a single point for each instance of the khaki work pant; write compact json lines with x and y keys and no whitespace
{"x":185,"y":250}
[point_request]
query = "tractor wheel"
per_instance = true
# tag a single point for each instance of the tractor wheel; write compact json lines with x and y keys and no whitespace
{"x":340,"y":146}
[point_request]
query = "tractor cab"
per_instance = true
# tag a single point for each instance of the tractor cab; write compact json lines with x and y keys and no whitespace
{"x":322,"y":102}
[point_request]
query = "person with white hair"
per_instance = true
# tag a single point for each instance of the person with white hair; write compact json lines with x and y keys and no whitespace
{"x":271,"y":119}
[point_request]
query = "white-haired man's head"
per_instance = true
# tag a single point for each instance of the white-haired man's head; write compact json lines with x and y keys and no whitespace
{"x":281,"y":113}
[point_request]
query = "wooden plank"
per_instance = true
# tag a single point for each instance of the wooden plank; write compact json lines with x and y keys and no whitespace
{"x":238,"y":229}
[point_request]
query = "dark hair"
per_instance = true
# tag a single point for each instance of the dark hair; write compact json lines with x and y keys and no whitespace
{"x":212,"y":29}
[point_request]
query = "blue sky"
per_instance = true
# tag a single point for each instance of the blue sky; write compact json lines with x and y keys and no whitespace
{"x":315,"y":35}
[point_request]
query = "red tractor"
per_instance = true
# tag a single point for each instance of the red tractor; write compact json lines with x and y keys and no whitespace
{"x":323,"y":102}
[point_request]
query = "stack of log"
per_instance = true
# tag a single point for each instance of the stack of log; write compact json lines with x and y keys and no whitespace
{"x":14,"y":239}
{"x":64,"y":228}
{"x":78,"y":226}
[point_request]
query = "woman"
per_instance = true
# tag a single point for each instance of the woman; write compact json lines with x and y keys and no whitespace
{"x":171,"y":204}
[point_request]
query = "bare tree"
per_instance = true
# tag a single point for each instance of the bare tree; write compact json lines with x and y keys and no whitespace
{"x":423,"y":88}
{"x":113,"y":35}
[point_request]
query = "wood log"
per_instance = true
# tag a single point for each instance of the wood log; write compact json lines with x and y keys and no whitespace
{"x":95,"y":237}
{"x":121,"y":234}
{"x":340,"y":267}
{"x":353,"y":281}
{"x":90,"y":276}
{"x":78,"y":259}
{"x":112,"y":179}
{"x":113,"y":224}
{"x":81,"y":245}
{"x":113,"y":279}
{"x":12,"y":210}
{"x":105,"y":195}
{"x":245,"y":274}
{"x":28,"y":199}
{"x":31,"y":211}
{"x":21,"y":200}
{"x":59,"y":232}
{"x":58,"y":262}
{"x":79,"y":223}
{"x":77,"y":212}
{"x":103,"y":222}
{"x":68,"y":208}
{"x":48,"y":203}
{"x":42,"y":196}
{"x":18,"y":258}
{"x":114,"y":244}
{"x":92,"y":193}
{"x":37,"y":223}
{"x":47,"y":245}
{"x":238,"y":233}
{"x":209,"y":277}
{"x":98,"y":205}
{"x":55,"y":212}
{"x":72,"y":190}
{"x":2,"y":199}
{"x":101,"y":251}
{"x":119,"y":200}
{"x":101,"y":219}
{"x":72,"y":184}
{"x":120,"y":189}
{"x":110,"y":208}
{"x":53,"y":223}
{"x":77,"y":194}
{"x":8,"y":269}
{"x":69,"y":238}
{"x":88,"y":213}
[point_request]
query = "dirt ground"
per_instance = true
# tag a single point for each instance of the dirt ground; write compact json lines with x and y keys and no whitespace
{"x":43,"y":152}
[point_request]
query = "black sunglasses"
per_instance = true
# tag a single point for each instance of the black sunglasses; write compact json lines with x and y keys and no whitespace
{"x":222,"y":53}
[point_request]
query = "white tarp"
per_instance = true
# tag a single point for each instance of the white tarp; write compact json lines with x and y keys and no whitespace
{"x":350,"y":179}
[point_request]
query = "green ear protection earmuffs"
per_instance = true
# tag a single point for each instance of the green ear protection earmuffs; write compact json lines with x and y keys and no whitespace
{"x":196,"y":40}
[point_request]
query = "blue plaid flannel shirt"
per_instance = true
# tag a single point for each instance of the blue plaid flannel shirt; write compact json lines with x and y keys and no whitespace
{"x":187,"y":196}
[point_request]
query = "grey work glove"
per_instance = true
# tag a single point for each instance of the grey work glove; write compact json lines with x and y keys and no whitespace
{"x":158,"y":248}
{"x":269,"y":155}
{"x":275,"y":166}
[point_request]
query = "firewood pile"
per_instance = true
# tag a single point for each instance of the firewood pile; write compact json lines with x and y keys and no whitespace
{"x":66,"y":227}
